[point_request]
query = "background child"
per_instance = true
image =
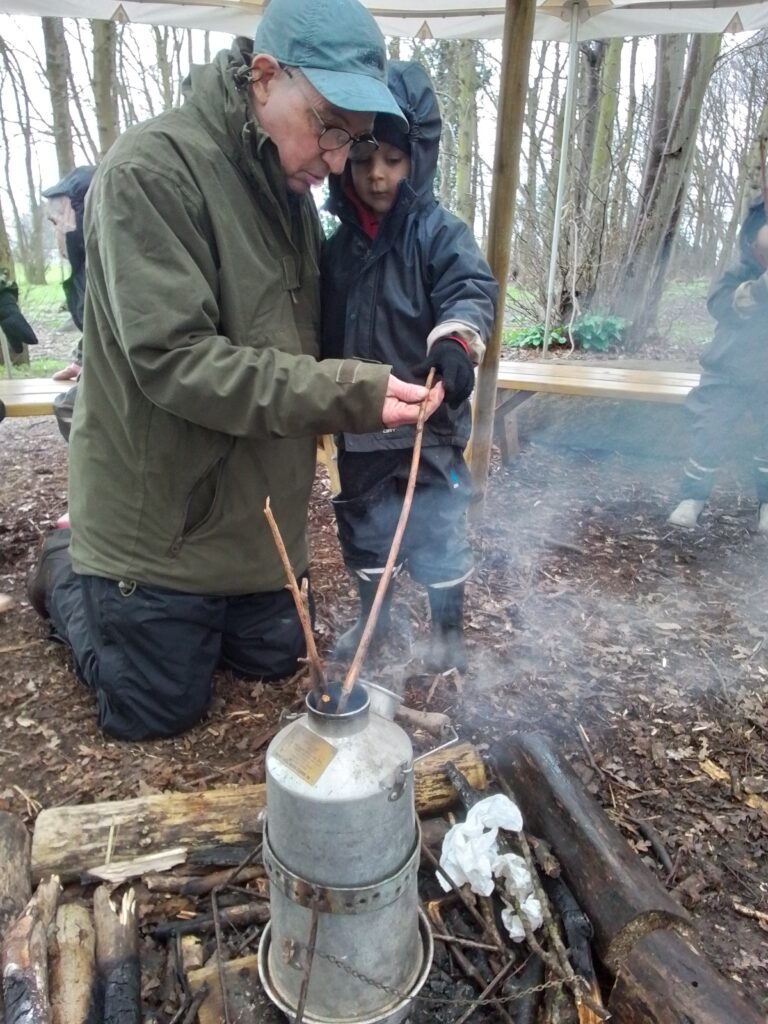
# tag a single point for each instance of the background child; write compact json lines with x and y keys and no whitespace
{"x":734,"y":380}
{"x":404,"y":283}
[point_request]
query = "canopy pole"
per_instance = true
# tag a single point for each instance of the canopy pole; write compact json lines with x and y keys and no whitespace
{"x":562,"y":174}
{"x":513,"y":90}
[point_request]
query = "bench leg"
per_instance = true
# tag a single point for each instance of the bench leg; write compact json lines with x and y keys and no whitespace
{"x":509,"y":443}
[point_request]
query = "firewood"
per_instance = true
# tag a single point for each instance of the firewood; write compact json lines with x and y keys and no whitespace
{"x":73,"y":840}
{"x":664,"y":980}
{"x":247,"y":913}
{"x":15,"y":879}
{"x":199,"y":885}
{"x":117,"y":958}
{"x":618,"y":893}
{"x":433,"y":722}
{"x":25,"y":959}
{"x":71,"y":964}
{"x":246,"y":1001}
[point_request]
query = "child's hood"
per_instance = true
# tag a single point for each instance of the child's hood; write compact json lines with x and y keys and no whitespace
{"x":410,"y":85}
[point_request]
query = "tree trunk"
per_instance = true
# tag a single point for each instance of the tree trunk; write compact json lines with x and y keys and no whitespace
{"x":466,"y":130}
{"x":57,"y":71}
{"x":601,"y":172}
{"x":105,"y":82}
{"x":637,"y":296}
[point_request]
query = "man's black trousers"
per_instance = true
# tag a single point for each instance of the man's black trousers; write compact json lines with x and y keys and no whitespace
{"x":149,"y":653}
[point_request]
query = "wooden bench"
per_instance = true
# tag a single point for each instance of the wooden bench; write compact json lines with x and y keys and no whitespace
{"x":30,"y":396}
{"x":640,"y":382}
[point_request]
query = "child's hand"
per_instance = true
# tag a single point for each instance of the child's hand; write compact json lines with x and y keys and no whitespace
{"x":453,"y":365}
{"x":402,"y":401}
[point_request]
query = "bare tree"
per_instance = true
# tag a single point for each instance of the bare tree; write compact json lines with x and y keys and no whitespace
{"x":58,"y":72}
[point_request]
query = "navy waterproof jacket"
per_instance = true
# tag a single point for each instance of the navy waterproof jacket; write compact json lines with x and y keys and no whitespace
{"x":739,"y":303}
{"x":382,"y":298}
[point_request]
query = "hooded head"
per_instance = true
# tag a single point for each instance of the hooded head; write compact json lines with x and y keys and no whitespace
{"x":411,"y":86}
{"x":337,"y":46}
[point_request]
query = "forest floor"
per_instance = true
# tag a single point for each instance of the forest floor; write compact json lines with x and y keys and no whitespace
{"x":641,"y":650}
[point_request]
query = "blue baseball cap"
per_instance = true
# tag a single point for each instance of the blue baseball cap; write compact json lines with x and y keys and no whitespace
{"x":338,"y":47}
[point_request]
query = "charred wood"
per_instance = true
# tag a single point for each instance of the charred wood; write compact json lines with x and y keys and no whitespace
{"x":621,"y":897}
{"x":117,"y":958}
{"x":664,"y":980}
{"x":25,"y":958}
{"x":248,"y":913}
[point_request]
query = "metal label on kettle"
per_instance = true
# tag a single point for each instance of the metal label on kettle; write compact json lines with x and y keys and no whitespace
{"x":305,"y":753}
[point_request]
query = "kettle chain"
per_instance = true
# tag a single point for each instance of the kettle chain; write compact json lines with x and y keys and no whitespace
{"x":359,"y":976}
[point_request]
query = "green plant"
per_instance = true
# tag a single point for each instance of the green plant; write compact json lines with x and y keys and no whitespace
{"x":592,"y":331}
{"x":598,"y":332}
{"x":533,"y":336}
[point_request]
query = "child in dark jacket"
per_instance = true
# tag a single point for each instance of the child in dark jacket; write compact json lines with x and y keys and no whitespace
{"x":405,"y":283}
{"x":734,"y":379}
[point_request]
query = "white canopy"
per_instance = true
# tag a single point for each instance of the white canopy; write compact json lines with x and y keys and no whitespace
{"x":448,"y":19}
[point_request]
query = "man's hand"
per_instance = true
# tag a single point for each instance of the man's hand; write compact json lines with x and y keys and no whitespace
{"x":453,"y":366}
{"x":402,"y":401}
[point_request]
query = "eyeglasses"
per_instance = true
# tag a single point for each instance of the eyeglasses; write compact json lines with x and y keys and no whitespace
{"x":332,"y":137}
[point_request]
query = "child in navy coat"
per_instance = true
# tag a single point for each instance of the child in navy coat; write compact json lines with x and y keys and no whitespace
{"x":405,"y":283}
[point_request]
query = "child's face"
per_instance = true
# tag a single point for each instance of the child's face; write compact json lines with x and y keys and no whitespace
{"x":376,"y":175}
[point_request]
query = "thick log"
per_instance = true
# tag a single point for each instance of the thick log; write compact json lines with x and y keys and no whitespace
{"x":246,"y":1001}
{"x":24,"y":959}
{"x":71,"y":966}
{"x":664,"y":980}
{"x":73,"y":840}
{"x":15,"y":877}
{"x":117,"y":958}
{"x":621,"y":897}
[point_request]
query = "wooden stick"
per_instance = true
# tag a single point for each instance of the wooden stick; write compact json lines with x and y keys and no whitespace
{"x":315,"y":665}
{"x":365,"y":639}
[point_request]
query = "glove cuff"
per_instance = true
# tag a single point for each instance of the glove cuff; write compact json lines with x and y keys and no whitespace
{"x":458,"y":340}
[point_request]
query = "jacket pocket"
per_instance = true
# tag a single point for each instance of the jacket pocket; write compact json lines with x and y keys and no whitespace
{"x":201,"y":502}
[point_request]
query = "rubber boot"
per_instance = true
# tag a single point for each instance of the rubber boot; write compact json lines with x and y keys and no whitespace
{"x":348,"y":642}
{"x":687,"y":513}
{"x":447,"y":643}
{"x":52,"y":561}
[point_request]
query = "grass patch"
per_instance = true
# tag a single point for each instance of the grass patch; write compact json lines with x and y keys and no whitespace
{"x":37,"y":368}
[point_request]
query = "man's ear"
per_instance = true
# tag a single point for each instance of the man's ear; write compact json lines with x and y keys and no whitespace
{"x":264,"y":71}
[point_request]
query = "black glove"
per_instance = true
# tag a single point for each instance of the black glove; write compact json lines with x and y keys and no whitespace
{"x":453,"y":366}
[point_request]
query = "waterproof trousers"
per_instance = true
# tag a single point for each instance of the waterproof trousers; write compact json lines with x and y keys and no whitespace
{"x":717,"y":405}
{"x":149,"y":653}
{"x":435,"y":546}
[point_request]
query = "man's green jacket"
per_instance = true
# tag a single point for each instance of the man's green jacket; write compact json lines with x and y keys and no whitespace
{"x":201,"y":395}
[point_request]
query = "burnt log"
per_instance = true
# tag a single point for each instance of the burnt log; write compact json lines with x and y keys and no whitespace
{"x":71,"y":966}
{"x":15,"y":877}
{"x":24,"y":959}
{"x":73,"y":840}
{"x":117,"y":958}
{"x":618,"y":893}
{"x":665,"y":980}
